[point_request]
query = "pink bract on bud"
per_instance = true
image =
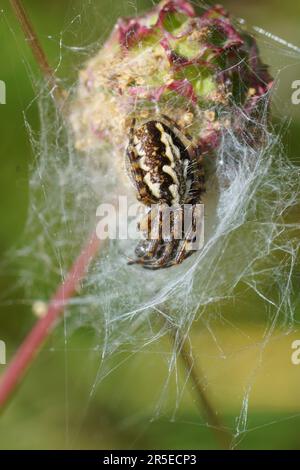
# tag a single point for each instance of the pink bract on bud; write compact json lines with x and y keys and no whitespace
{"x":200,"y":69}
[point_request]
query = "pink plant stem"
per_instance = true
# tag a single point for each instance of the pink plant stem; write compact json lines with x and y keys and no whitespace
{"x":39,"y":333}
{"x":32,"y":343}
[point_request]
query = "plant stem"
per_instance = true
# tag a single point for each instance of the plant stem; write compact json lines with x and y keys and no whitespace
{"x":182,"y":345}
{"x":32,"y":343}
{"x":38,"y":52}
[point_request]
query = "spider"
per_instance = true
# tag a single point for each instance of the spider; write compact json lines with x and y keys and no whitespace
{"x":166,"y":168}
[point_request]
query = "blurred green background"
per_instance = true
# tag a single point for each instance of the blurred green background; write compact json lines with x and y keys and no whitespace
{"x":53,"y":407}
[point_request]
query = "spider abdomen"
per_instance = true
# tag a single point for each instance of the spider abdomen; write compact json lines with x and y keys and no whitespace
{"x":158,"y":164}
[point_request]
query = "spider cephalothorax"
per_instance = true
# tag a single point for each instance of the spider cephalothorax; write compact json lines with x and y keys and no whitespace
{"x":167,"y":171}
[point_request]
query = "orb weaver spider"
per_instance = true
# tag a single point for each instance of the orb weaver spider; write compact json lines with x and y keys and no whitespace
{"x":166,"y":168}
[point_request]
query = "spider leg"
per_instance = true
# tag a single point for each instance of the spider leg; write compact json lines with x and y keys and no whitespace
{"x":185,"y":251}
{"x":149,"y":248}
{"x":196,"y":176}
{"x":181,"y":254}
{"x":157,"y":253}
{"x":176,"y":250}
{"x":144,"y":251}
{"x":165,"y":251}
{"x":196,"y":190}
{"x":164,"y":260}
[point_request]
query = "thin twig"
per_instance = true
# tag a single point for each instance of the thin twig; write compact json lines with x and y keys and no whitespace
{"x":38,"y":52}
{"x":39,"y":333}
{"x":184,"y":349}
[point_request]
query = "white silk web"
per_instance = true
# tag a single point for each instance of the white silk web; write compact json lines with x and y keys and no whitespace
{"x":248,"y":263}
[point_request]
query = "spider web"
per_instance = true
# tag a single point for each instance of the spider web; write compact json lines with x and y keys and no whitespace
{"x":247,"y":267}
